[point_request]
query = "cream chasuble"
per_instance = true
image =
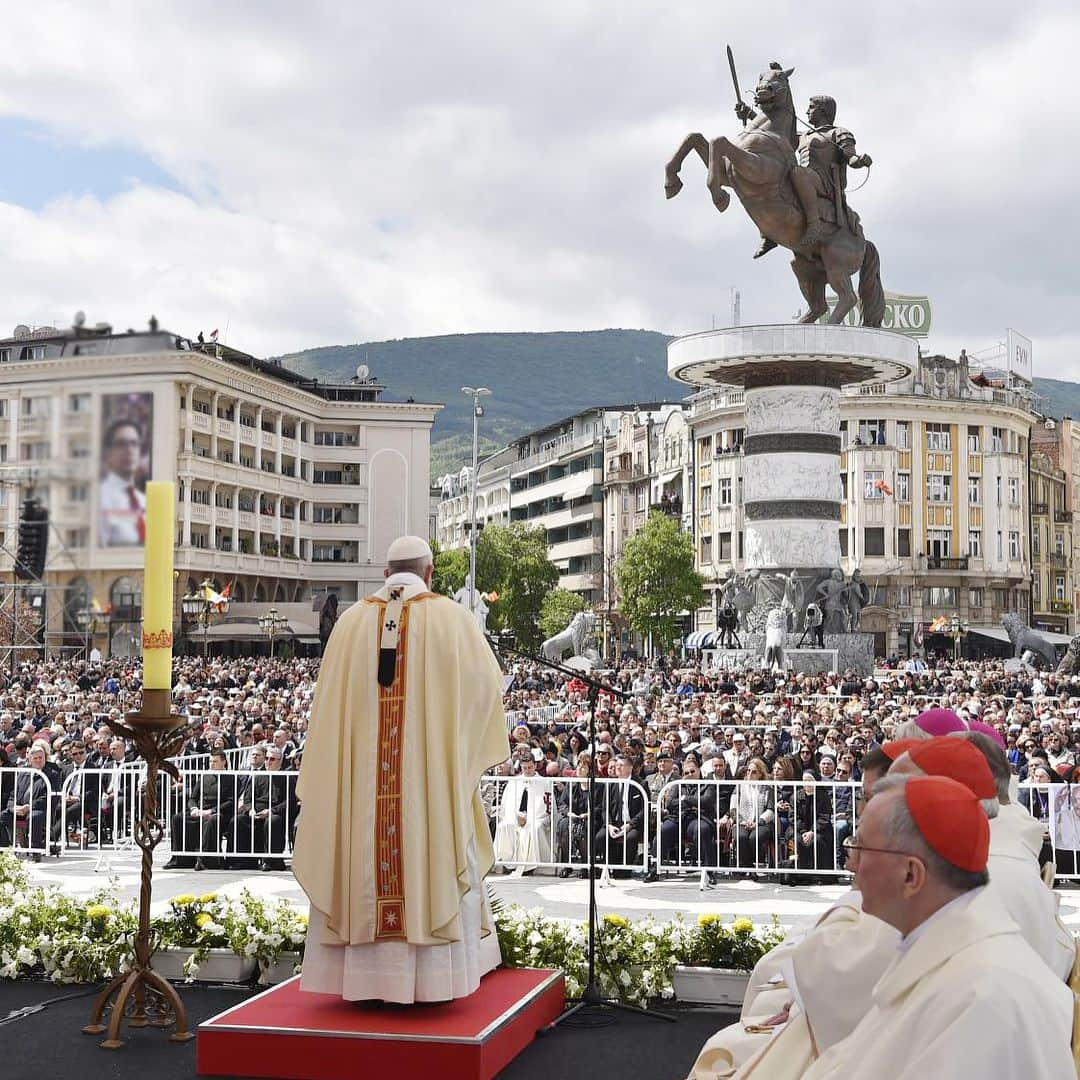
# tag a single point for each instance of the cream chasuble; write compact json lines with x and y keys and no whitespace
{"x":833,"y":967}
{"x":968,"y":998}
{"x":393,"y":843}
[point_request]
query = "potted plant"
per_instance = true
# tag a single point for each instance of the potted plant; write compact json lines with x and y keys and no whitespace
{"x":274,"y":937}
{"x":202,"y":938}
{"x":715,"y":960}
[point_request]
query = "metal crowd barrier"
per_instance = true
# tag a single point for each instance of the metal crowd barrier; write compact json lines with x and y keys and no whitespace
{"x":547,"y":821}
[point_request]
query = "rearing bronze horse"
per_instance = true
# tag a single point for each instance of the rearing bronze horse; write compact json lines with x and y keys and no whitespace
{"x":757,"y":165}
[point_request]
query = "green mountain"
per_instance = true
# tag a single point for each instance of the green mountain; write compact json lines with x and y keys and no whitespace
{"x":535,"y":379}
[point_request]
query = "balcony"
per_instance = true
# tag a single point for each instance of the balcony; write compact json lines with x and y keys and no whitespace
{"x":1061,"y":607}
{"x":1063,"y":516}
{"x":937,"y":563}
{"x":1041,"y":509}
{"x":1059,"y":560}
{"x":624,"y":476}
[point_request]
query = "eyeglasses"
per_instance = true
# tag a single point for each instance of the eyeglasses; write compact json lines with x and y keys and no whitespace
{"x":852,"y":848}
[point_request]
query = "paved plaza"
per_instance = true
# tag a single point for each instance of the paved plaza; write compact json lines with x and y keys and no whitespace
{"x":80,"y":875}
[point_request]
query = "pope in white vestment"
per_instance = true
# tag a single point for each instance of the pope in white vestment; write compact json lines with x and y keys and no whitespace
{"x":966,"y":996}
{"x":523,"y":829}
{"x":393,"y":842}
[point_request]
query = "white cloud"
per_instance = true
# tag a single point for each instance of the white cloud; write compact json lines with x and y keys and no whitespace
{"x":374,"y":171}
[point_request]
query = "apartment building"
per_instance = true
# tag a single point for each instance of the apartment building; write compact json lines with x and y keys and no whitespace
{"x":287,"y":488}
{"x":934,"y":477}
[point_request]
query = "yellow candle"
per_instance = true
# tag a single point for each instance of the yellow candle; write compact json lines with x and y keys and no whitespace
{"x":158,"y":586}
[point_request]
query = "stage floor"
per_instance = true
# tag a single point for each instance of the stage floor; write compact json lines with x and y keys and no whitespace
{"x":285,"y":1033}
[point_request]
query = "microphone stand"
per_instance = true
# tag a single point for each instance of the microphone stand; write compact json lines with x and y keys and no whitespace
{"x":591,"y":999}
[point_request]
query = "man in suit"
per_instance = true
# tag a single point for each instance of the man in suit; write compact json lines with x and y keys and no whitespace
{"x":622,"y":816}
{"x":208,"y":814}
{"x":266,"y":808}
{"x":28,"y":803}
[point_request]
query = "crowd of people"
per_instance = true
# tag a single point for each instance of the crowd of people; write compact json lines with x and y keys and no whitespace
{"x":796,"y":742}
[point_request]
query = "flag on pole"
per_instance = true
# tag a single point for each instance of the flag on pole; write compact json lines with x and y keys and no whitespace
{"x":880,"y":485}
{"x":213,"y":335}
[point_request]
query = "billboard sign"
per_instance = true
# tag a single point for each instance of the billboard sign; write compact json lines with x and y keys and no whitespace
{"x":1018,"y":356}
{"x":127,"y":429}
{"x":909,"y":315}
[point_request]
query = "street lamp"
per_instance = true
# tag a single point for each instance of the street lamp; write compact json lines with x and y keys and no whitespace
{"x":476,"y":393}
{"x":198,"y":607}
{"x":957,"y":628}
{"x":272,"y":624}
{"x":90,"y":625}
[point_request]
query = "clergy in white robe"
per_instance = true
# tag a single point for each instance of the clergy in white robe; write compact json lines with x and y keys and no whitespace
{"x":827,"y":976}
{"x":393,"y":841}
{"x":821,"y":977}
{"x":966,"y":995}
{"x":523,"y":829}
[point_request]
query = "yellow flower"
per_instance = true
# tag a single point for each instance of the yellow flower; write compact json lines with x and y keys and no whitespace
{"x":98,"y":911}
{"x":208,"y":898}
{"x":708,"y":919}
{"x":302,"y":920}
{"x":187,"y":898}
{"x":203,"y":918}
{"x":616,"y":920}
{"x":742,"y":926}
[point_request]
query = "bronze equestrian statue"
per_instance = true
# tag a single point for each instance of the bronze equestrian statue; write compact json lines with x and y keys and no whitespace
{"x":793,"y":189}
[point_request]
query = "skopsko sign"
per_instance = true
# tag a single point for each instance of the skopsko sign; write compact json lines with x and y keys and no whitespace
{"x":908,"y":315}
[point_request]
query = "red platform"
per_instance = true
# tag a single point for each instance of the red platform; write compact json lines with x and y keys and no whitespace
{"x":287,"y":1034}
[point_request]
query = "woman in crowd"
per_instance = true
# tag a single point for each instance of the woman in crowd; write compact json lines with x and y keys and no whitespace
{"x":753,"y":812}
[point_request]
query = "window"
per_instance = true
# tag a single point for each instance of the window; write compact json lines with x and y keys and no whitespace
{"x":3,"y":452}
{"x":938,"y":543}
{"x":1059,"y":544}
{"x":997,"y":489}
{"x":224,"y":499}
{"x":997,"y":440}
{"x":78,"y":448}
{"x":77,"y":493}
{"x":974,"y":441}
{"x":938,"y":437}
{"x":331,"y":515}
{"x":1036,"y":590}
{"x":79,"y":403}
{"x":843,"y":435}
{"x":706,"y":500}
{"x":903,"y":543}
{"x":974,"y":490}
{"x":201,"y":496}
{"x":725,"y":490}
{"x":941,"y":596}
{"x":740,"y":546}
{"x":1014,"y":545}
{"x":334,"y":438}
{"x":225,"y":455}
{"x":3,"y":405}
{"x":844,"y":542}
{"x":975,"y":543}
{"x":903,"y":596}
{"x":35,"y":451}
{"x":903,"y":435}
{"x":327,"y":553}
{"x":198,"y":540}
{"x":903,"y":487}
{"x":843,"y":487}
{"x":872,"y":482}
{"x":1036,"y":540}
{"x":874,"y":541}
{"x":1000,"y":551}
{"x":975,"y":598}
{"x":872,"y":432}
{"x":706,"y":550}
{"x":1014,"y":491}
{"x":1002,"y":598}
{"x":939,"y":488}
{"x":724,"y":546}
{"x":642,"y":498}
{"x":36,"y":407}
{"x":1059,"y":588}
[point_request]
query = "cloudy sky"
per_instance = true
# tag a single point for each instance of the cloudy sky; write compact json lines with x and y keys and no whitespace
{"x":321,"y":173}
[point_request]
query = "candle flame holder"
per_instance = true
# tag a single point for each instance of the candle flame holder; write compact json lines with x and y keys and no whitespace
{"x":140,"y":996}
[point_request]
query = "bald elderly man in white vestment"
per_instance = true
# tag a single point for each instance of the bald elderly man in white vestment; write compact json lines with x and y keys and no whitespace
{"x":811,"y":991}
{"x":966,"y":995}
{"x":393,"y":840}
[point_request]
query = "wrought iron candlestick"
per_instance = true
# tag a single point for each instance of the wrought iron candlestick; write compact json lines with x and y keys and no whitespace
{"x":140,"y":996}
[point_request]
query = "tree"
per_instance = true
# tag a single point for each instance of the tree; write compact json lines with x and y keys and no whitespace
{"x":657,"y":580}
{"x":451,"y":566}
{"x":514,"y":564}
{"x":557,"y":609}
